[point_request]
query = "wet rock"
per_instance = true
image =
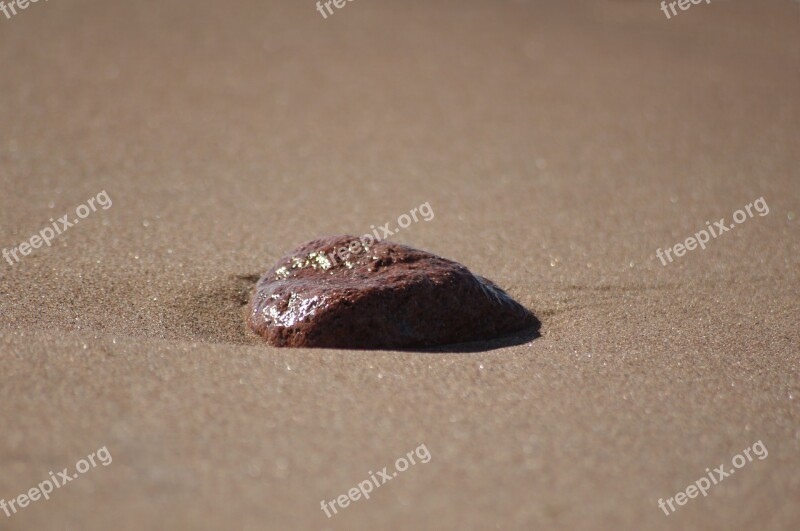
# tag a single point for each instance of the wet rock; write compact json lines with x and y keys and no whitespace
{"x":343,"y":293}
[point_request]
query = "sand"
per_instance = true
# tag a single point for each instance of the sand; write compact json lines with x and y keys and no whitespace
{"x":559,"y":145}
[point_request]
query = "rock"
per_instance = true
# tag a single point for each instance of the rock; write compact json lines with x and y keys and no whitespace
{"x":337,"y":292}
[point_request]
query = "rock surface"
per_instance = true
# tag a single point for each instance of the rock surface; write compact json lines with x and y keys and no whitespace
{"x":337,"y":292}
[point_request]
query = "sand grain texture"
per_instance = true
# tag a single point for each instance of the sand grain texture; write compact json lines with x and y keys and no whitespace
{"x":559,"y":144}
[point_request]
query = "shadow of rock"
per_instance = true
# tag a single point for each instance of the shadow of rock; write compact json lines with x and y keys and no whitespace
{"x":509,"y":340}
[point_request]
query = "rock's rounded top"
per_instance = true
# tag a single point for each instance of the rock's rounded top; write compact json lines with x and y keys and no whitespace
{"x":339,"y":292}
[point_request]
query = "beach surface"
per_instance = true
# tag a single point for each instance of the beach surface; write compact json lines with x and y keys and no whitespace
{"x":560,"y":145}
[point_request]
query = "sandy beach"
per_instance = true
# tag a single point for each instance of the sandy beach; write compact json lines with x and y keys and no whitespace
{"x":561,"y":145}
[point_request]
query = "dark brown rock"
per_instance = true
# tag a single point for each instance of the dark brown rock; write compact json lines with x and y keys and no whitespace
{"x":380,"y":295}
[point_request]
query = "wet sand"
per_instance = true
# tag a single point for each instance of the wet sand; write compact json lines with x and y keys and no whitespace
{"x":559,"y":145}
